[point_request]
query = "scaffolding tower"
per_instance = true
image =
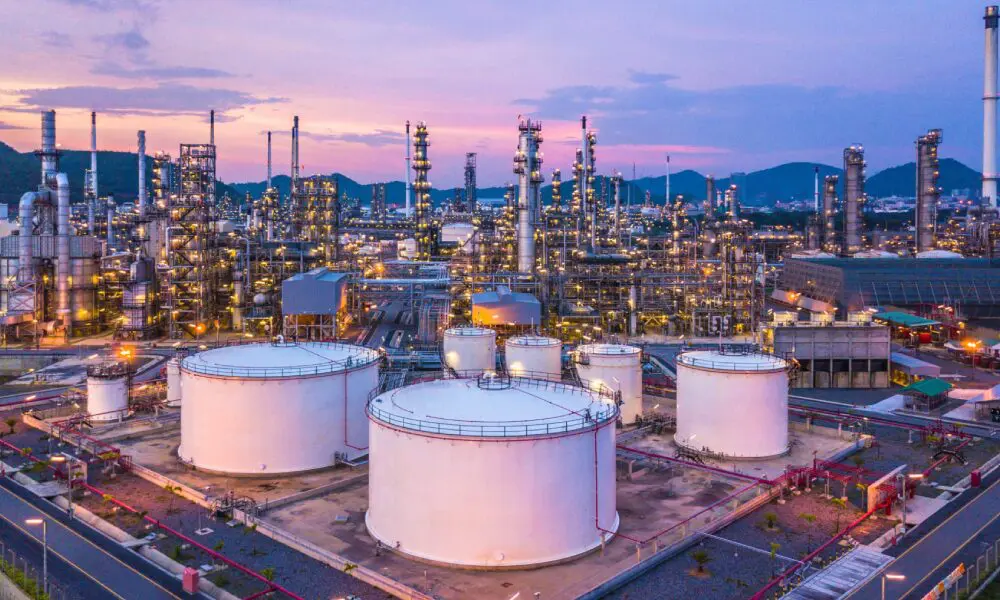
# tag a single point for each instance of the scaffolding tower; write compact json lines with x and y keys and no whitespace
{"x":189,"y":288}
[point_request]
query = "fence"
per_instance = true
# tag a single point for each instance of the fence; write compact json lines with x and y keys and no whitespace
{"x":24,"y":578}
{"x":968,"y":580}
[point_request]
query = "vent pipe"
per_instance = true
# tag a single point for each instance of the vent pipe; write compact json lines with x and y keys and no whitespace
{"x":141,"y":151}
{"x":268,"y":161}
{"x":990,"y":108}
{"x":408,"y":159}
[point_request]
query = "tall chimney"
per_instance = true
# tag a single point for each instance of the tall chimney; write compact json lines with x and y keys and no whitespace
{"x":295,"y":153}
{"x":990,"y":108}
{"x":268,"y":161}
{"x":408,"y":159}
{"x":816,"y":190}
{"x":211,"y":127}
{"x":93,"y":153}
{"x":141,"y":151}
{"x":667,"y":203}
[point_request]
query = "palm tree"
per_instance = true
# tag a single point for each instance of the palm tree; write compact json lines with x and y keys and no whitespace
{"x":11,"y":423}
{"x":810,"y":519}
{"x":771,"y":519}
{"x":700,"y":557}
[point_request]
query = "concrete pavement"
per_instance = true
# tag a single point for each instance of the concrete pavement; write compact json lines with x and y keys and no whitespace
{"x":118,"y":571}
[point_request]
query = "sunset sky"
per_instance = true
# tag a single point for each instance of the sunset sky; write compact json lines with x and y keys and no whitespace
{"x":719,"y":85}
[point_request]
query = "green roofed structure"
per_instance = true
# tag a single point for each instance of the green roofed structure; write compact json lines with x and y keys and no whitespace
{"x":927,"y":394}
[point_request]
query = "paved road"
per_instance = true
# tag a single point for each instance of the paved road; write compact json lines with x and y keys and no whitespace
{"x":64,"y":578}
{"x":120,"y":572}
{"x":952,"y":536}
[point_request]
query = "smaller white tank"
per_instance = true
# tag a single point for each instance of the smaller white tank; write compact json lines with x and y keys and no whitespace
{"x":174,"y":382}
{"x":534,"y":356}
{"x":107,"y":391}
{"x":470,"y":351}
{"x":619,"y":368}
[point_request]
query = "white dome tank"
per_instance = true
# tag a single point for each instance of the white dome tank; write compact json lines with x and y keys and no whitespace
{"x":732,"y":404}
{"x":268,"y":408}
{"x":533,"y":356}
{"x":174,"y":382}
{"x":618,"y":367}
{"x":492,"y":472}
{"x":470,"y":351}
{"x":107,"y":391}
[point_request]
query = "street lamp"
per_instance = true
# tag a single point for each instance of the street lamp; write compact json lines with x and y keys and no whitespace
{"x":890,"y":577}
{"x":45,"y":550}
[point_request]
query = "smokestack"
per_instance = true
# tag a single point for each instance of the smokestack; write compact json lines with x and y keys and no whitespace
{"x":211,"y":127}
{"x":816,"y":190}
{"x":667,"y":203}
{"x":407,"y":169}
{"x":141,"y":151}
{"x":990,"y":108}
{"x":295,"y":155}
{"x":268,"y":160}
{"x":93,"y":153}
{"x":48,"y":154}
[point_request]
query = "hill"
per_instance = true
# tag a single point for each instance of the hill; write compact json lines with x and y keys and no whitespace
{"x":117,"y":174}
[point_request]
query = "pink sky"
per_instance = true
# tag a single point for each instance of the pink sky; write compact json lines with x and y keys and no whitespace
{"x":750,"y":85}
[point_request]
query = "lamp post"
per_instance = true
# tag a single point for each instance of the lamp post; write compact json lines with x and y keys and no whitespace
{"x":45,"y":550}
{"x":890,"y":577}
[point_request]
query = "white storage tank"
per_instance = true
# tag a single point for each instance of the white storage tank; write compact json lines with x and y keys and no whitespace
{"x":533,"y":356}
{"x":732,"y":403}
{"x":174,"y":382}
{"x":618,"y":367}
{"x":492,"y":472}
{"x":107,"y":391}
{"x":470,"y":351}
{"x":268,"y":408}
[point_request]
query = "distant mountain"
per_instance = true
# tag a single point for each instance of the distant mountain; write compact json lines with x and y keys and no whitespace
{"x":20,"y":172}
{"x":117,"y":174}
{"x":902,"y":180}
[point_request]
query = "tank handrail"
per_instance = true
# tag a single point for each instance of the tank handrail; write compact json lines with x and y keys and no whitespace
{"x":544,"y":380}
{"x":364,"y":358}
{"x":774,"y":363}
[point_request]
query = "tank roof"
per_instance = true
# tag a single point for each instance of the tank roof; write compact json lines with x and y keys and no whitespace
{"x":533,"y":340}
{"x":493,"y":407}
{"x":469,"y":331}
{"x":284,"y":359}
{"x":732,"y":361}
{"x":608,"y":349}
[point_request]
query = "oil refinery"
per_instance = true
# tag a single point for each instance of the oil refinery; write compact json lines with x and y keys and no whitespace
{"x":569,"y":392}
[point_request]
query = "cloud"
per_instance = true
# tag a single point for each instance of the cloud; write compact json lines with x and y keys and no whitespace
{"x":109,"y":5}
{"x":652,"y":110}
{"x":163,"y":99}
{"x":375,"y":139}
{"x":153,"y":72}
{"x":7,"y":126}
{"x":132,"y":40}
{"x":54,"y":39}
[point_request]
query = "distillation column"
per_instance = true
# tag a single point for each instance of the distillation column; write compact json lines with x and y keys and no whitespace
{"x":91,"y":191}
{"x":528,"y":168}
{"x":422,"y":191}
{"x":470,"y":182}
{"x":928,"y":193}
{"x":556,"y":190}
{"x":854,"y":195}
{"x":830,"y":183}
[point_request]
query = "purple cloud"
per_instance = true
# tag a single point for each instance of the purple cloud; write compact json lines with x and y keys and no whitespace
{"x":8,"y":126}
{"x":163,"y":99}
{"x":159,"y":73}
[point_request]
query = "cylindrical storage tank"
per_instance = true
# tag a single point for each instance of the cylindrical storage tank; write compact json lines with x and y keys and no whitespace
{"x":533,"y":356}
{"x":269,"y":408}
{"x":732,"y":404}
{"x":619,"y":368}
{"x":492,"y":472}
{"x":107,"y":391}
{"x":174,"y":382}
{"x":470,"y":351}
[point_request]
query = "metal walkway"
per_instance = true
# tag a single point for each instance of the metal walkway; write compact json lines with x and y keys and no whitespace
{"x":842,"y":576}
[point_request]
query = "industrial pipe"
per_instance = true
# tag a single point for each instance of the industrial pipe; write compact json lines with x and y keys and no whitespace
{"x":408,"y":159}
{"x":62,"y":251}
{"x":93,"y":154}
{"x":26,"y":210}
{"x":48,"y":153}
{"x":142,"y":172}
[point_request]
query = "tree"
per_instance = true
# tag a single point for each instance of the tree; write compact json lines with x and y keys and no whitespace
{"x":771,"y":519}
{"x":11,"y":424}
{"x":841,"y":504}
{"x":810,"y":519}
{"x":268,"y":573}
{"x":700,"y":557}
